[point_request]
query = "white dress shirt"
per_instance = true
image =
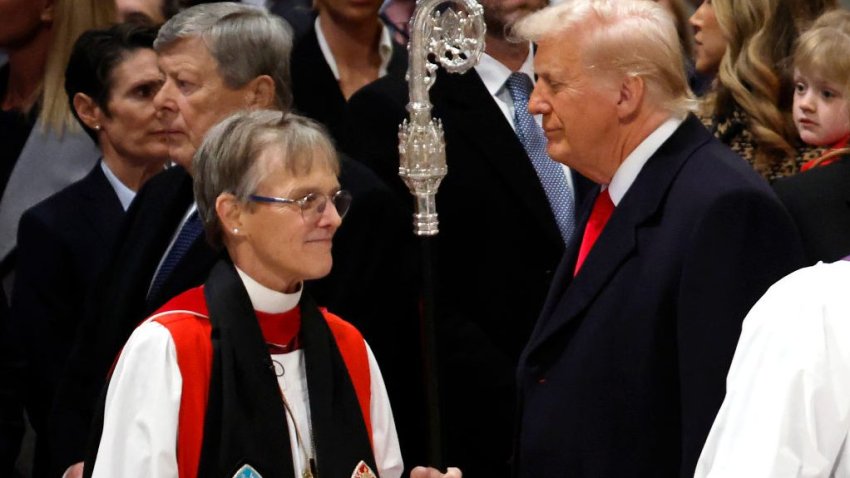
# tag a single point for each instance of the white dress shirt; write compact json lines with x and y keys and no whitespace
{"x":629,"y":169}
{"x":125,"y":194}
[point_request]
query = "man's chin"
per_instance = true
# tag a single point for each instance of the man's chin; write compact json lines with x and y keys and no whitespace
{"x":182,"y":155}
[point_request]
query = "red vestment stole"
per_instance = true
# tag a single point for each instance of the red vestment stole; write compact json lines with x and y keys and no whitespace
{"x":186,"y":319}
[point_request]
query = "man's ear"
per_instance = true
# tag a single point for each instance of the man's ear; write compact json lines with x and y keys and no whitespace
{"x":229,"y":210}
{"x":632,"y":92}
{"x":89,"y":112}
{"x":261,"y":93}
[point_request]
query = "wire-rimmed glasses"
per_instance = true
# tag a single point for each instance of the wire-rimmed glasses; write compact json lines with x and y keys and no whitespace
{"x":313,"y":204}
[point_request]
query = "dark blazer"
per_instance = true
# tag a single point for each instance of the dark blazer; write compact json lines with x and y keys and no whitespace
{"x":315,"y":90}
{"x":62,"y":244}
{"x":299,"y":14}
{"x":118,"y":303}
{"x":819,"y":202}
{"x":626,"y":367}
{"x":497,"y":248}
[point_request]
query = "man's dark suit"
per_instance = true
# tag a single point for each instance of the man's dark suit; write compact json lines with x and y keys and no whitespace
{"x":496,"y":250}
{"x":119,"y":303}
{"x":819,"y":202}
{"x":62,"y":244}
{"x":626,"y":367}
{"x":314,"y":88}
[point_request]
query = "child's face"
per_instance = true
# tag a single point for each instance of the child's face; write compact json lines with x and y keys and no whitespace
{"x":821,"y":114}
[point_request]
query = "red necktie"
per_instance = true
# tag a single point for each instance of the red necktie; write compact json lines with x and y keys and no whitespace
{"x":602,"y":209}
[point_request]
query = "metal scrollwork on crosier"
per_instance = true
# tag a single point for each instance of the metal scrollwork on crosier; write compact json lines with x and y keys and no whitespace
{"x":454,"y":40}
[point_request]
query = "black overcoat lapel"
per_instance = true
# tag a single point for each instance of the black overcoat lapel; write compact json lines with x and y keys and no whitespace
{"x":617,"y":242}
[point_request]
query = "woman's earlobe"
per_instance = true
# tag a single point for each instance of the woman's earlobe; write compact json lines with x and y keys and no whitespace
{"x":229,"y":212}
{"x":87,"y":110}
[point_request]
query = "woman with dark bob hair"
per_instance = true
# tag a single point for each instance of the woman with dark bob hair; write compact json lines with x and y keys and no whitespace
{"x":245,"y":375}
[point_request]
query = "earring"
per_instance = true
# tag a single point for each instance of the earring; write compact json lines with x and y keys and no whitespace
{"x":235,"y":230}
{"x":97,"y":127}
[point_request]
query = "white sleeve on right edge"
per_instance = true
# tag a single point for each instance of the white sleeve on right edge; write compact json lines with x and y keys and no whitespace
{"x":787,"y":406}
{"x":384,"y":437}
{"x":139,"y":437}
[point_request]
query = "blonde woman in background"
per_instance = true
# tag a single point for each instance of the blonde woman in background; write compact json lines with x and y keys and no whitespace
{"x":41,"y":146}
{"x":747,"y":44}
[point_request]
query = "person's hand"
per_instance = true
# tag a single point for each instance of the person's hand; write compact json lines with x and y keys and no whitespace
{"x":422,"y":472}
{"x":75,"y":471}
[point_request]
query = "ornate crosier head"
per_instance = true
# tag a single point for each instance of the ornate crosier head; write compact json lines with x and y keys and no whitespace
{"x":455,"y":40}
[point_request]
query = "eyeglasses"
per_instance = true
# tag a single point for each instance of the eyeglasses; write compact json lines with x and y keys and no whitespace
{"x":312,"y":205}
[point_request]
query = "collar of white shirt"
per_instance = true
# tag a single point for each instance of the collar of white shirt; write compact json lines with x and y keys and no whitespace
{"x":494,"y":74}
{"x":268,"y":300}
{"x":385,"y":49}
{"x":631,"y":167}
{"x":125,"y":194}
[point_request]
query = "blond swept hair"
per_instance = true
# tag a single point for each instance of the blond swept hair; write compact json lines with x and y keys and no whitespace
{"x":626,"y":38}
{"x":71,"y":19}
{"x":823,"y":50}
{"x":754,"y":74}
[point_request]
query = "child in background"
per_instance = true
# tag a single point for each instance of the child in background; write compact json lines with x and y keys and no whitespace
{"x":822,"y":86}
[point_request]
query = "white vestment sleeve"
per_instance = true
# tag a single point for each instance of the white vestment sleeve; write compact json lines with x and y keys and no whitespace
{"x":787,"y":406}
{"x":139,"y":437}
{"x":384,"y":436}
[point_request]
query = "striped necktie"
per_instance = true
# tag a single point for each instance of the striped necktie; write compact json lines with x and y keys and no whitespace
{"x":190,"y":231}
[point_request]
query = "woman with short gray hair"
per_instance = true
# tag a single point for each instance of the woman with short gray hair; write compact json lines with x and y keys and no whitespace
{"x":251,"y":377}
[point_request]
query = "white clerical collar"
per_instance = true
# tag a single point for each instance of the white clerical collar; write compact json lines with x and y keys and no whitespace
{"x":385,"y":49}
{"x":267,"y":300}
{"x":631,"y":167}
{"x":125,"y":194}
{"x":494,"y":74}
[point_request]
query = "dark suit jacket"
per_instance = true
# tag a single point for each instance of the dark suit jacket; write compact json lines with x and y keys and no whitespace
{"x":118,"y":303}
{"x":62,"y":244}
{"x":497,"y":248}
{"x":299,"y":14}
{"x":626,"y":367}
{"x":315,"y":90}
{"x":819,"y":202}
